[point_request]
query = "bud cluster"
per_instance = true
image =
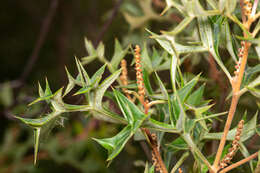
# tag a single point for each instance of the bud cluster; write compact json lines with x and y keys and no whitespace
{"x":139,"y":74}
{"x":235,"y":144}
{"x":247,"y":7}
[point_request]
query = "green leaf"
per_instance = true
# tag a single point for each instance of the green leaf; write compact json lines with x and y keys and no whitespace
{"x":147,"y":169}
{"x":134,"y":117}
{"x":36,"y":133}
{"x":196,"y":97}
{"x":146,"y":61}
{"x":186,"y":90}
{"x":189,"y":125}
{"x":107,"y":115}
{"x":162,"y":87}
{"x":101,"y":89}
{"x":115,"y":144}
{"x":166,"y":44}
{"x":100,"y":50}
{"x":76,"y":108}
{"x":147,"y":83}
{"x":174,"y":60}
{"x":95,"y":79}
{"x":230,"y":41}
{"x":46,"y":95}
{"x":160,"y":126}
{"x":57,"y":102}
{"x":119,"y":54}
{"x":246,"y":154}
{"x":83,"y":90}
{"x":228,"y":5}
{"x":80,"y":75}
{"x":208,"y":41}
{"x":177,"y":145}
{"x":39,"y":122}
{"x":130,"y":111}
{"x":71,"y":83}
{"x":181,"y":26}
{"x":90,"y":48}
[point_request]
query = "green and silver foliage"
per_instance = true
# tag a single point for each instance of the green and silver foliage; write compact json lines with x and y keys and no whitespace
{"x":183,"y":110}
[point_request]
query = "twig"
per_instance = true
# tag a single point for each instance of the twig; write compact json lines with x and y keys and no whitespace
{"x":152,"y":139}
{"x":42,"y":36}
{"x":236,"y":84}
{"x":108,"y":22}
{"x":242,"y":10}
{"x":241,"y":162}
{"x":235,"y":144}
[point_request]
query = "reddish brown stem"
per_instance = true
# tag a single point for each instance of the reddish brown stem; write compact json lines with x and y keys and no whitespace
{"x":241,"y":162}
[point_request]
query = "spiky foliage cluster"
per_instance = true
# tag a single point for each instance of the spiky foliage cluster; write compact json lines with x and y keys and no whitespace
{"x":180,"y":107}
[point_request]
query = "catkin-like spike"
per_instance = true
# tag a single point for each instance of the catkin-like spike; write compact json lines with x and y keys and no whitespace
{"x":247,"y":8}
{"x":235,"y":144}
{"x":124,"y":77}
{"x":180,"y":170}
{"x":156,"y":163}
{"x":238,"y":63}
{"x":139,"y":75}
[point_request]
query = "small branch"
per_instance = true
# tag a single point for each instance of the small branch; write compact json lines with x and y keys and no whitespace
{"x":156,"y":157}
{"x":156,"y":102}
{"x":151,"y":138}
{"x":241,"y":162}
{"x":242,"y":11}
{"x":256,"y":16}
{"x":236,"y":84}
{"x":226,"y":129}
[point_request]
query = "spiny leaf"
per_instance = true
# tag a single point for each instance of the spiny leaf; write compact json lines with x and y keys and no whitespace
{"x":83,"y":90}
{"x":89,"y":46}
{"x":186,"y":90}
{"x":103,"y":87}
{"x":47,"y":88}
{"x":36,"y":132}
{"x":71,"y":83}
{"x":196,"y":97}
{"x":119,"y":54}
{"x":115,"y":144}
{"x":46,"y":95}
{"x":147,"y":83}
{"x":177,"y":145}
{"x":230,"y":41}
{"x":146,"y":61}
{"x":162,"y":87}
{"x":181,"y":26}
{"x":130,"y":111}
{"x":57,"y":101}
{"x":208,"y":41}
{"x":95,"y":79}
{"x":174,"y":60}
{"x":39,"y":122}
{"x":134,"y":117}
{"x":160,"y":126}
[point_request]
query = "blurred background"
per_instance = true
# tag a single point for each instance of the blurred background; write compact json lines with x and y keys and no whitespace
{"x":40,"y":38}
